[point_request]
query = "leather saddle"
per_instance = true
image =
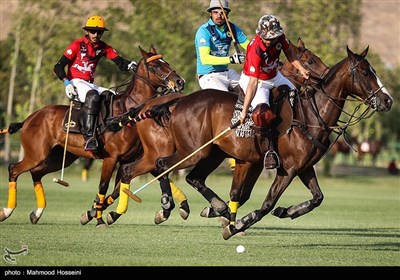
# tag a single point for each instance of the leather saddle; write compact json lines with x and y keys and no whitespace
{"x":106,"y":104}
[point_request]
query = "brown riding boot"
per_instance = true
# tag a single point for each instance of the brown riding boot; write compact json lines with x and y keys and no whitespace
{"x":271,"y":160}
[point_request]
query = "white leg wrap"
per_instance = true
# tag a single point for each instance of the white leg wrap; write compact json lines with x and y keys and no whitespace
{"x":38,"y":212}
{"x":8,"y":211}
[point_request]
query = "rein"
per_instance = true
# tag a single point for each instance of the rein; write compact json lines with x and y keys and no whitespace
{"x":353,"y":119}
{"x":163,"y":89}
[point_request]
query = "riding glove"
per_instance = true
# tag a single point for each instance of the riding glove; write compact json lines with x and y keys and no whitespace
{"x":132,"y":66}
{"x":237,"y":58}
{"x":70,"y":90}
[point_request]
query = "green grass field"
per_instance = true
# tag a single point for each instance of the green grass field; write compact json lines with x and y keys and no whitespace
{"x":358,"y":224}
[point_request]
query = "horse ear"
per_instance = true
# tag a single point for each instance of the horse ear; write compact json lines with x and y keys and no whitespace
{"x":152,"y":49}
{"x":349,"y":52}
{"x":144,"y":53}
{"x":300,"y":43}
{"x":365,"y":52}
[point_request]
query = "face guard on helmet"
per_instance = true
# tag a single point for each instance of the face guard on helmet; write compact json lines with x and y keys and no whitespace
{"x":214,"y":4}
{"x":269,"y":27}
{"x":95,"y":23}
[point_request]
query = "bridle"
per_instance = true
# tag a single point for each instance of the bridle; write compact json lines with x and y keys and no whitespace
{"x":370,"y":101}
{"x":160,"y":88}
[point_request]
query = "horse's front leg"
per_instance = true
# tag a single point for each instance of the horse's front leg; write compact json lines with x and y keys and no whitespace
{"x":100,"y":202}
{"x":281,"y":182}
{"x":309,"y":179}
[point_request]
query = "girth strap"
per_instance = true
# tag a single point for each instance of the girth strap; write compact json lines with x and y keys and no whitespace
{"x":303,"y":129}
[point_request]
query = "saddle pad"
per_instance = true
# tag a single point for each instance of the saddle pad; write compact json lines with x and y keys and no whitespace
{"x":244,"y":130}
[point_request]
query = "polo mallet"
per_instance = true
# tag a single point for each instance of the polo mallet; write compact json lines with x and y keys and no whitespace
{"x":133,"y":194}
{"x":61,"y":180}
{"x":230,"y":29}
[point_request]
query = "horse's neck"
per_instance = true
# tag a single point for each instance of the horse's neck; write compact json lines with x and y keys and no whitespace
{"x":138,"y":93}
{"x":331,"y":97}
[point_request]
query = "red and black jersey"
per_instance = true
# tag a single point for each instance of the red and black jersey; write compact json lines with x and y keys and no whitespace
{"x":262,"y":62}
{"x":84,"y":56}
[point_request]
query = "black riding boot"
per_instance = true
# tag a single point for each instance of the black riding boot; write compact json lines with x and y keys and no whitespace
{"x":91,"y":111}
{"x":91,"y":141}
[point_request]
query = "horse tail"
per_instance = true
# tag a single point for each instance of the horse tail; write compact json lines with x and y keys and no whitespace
{"x":14,"y":127}
{"x":161,"y":113}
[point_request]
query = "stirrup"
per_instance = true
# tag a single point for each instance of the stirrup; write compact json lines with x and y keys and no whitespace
{"x":91,"y":144}
{"x":271,"y":160}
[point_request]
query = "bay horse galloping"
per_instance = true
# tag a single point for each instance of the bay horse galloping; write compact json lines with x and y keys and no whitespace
{"x":303,"y":137}
{"x":158,"y":141}
{"x":43,"y":137}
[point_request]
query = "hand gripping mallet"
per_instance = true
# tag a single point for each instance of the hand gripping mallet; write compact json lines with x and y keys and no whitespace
{"x":133,"y":194}
{"x":61,"y":180}
{"x":230,"y":29}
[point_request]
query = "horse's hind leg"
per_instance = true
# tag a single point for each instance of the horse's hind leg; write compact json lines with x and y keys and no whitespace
{"x":167,"y":202}
{"x":51,"y":164}
{"x":309,"y":179}
{"x":197,"y":176}
{"x":33,"y":157}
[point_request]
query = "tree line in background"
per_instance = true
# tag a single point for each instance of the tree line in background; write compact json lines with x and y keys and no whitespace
{"x":41,"y":30}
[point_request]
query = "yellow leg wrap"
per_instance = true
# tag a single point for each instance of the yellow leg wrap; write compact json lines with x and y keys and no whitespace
{"x":232,"y":163}
{"x":39,"y":192}
{"x":177,"y":193}
{"x":84,"y":175}
{"x":109,"y":200}
{"x":12,"y":195}
{"x":123,"y":199}
{"x":233,"y":206}
{"x":99,"y":206}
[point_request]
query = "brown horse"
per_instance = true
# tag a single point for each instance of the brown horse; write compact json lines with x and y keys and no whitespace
{"x":303,"y":138}
{"x":43,"y":137}
{"x":158,"y":140}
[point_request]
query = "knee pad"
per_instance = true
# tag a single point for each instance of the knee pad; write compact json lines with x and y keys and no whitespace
{"x":262,"y":115}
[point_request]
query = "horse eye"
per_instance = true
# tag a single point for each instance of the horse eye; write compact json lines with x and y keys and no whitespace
{"x":310,"y":61}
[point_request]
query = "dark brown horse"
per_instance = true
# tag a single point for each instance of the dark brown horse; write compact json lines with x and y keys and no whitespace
{"x":43,"y":137}
{"x":303,"y":138}
{"x":158,"y":141}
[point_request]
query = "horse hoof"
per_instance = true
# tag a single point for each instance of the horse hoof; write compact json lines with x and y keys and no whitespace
{"x":280,"y":212}
{"x":112,"y":217}
{"x":5,"y":213}
{"x":205,"y":212}
{"x":2,"y":216}
{"x":209,"y":212}
{"x":86,"y":218}
{"x":223,"y":221}
{"x":101,"y":223}
{"x":34,"y":219}
{"x":227,"y":233}
{"x":104,"y":225}
{"x":159,"y":218}
{"x":184,"y":210}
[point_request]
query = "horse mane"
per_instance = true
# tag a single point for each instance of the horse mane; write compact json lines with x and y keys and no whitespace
{"x":161,"y":113}
{"x":332,"y":70}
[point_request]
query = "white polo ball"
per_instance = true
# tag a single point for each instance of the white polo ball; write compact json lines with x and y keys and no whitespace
{"x":240,"y":249}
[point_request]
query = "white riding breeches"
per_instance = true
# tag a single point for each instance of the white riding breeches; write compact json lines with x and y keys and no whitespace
{"x":264,"y":87}
{"x":83,"y":87}
{"x":220,"y":80}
